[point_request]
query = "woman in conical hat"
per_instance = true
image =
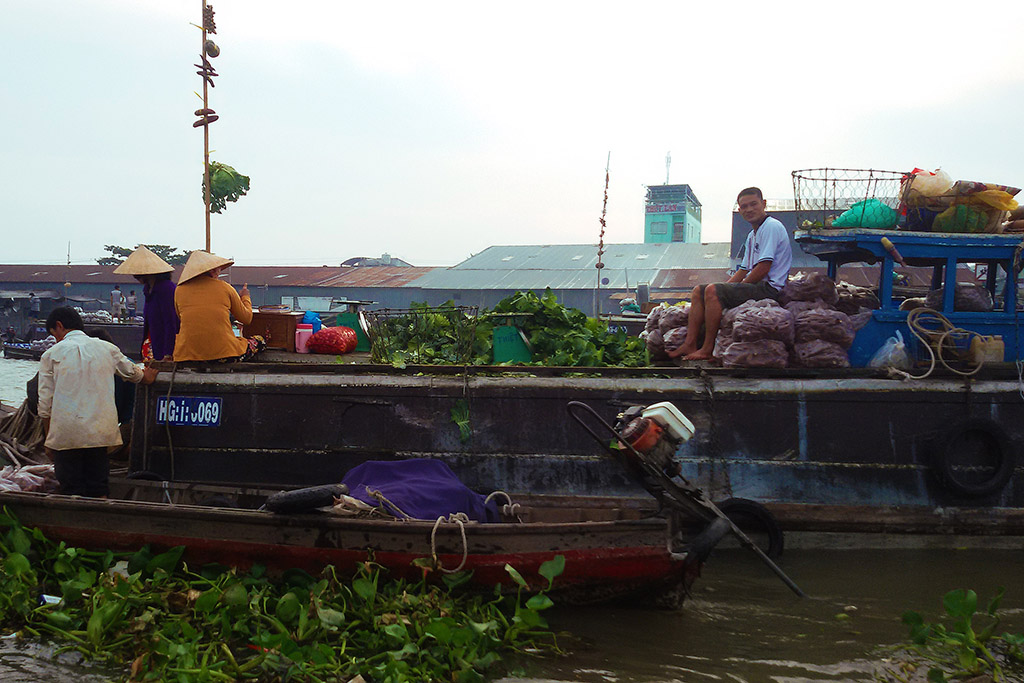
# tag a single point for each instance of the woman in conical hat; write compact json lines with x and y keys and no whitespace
{"x":205,"y":304}
{"x":160,"y":320}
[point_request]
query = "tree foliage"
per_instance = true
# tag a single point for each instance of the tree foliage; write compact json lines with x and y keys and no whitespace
{"x":173,"y":255}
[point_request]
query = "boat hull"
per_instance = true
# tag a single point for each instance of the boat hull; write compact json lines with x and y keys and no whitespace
{"x":605,"y":560}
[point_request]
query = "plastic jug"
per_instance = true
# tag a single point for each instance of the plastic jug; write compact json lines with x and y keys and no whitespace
{"x":303,"y":331}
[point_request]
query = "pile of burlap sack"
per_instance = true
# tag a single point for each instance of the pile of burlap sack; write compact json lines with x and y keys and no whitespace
{"x":811,"y":326}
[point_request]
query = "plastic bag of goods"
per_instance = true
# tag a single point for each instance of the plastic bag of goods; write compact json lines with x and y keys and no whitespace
{"x":729,"y":318}
{"x":818,"y":353}
{"x":961,"y":218}
{"x":673,"y":317}
{"x":892,"y":354}
{"x":763,"y":319}
{"x":767,"y":353}
{"x":927,"y":185}
{"x":824,"y":325}
{"x":333,"y":340}
{"x":656,"y":345}
{"x":722,"y":342}
{"x":870,"y":213}
{"x":652,"y":318}
{"x":674,"y":338}
{"x":798,"y":307}
{"x":853,"y":298}
{"x":966,"y":297}
{"x":809,"y":287}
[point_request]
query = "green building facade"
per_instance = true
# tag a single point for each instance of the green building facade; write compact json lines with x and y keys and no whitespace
{"x":672,"y":214}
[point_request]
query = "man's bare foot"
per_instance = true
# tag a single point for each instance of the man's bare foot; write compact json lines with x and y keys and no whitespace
{"x":700,"y":354}
{"x":683,"y":350}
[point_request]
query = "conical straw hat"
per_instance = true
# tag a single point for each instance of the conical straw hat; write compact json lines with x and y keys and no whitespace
{"x":142,"y":261}
{"x":200,"y":262}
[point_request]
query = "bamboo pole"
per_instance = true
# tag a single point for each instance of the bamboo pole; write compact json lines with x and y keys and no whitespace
{"x":206,"y":131}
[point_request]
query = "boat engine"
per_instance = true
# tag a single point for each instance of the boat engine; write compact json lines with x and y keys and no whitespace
{"x":656,"y":432}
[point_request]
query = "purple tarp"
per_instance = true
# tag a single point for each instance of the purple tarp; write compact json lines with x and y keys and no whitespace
{"x":421,"y":488}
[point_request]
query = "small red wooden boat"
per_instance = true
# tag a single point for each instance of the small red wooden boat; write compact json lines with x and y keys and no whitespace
{"x":612,"y":550}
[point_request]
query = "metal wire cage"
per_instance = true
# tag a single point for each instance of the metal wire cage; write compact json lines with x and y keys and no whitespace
{"x":823,"y":194}
{"x":427,"y":335}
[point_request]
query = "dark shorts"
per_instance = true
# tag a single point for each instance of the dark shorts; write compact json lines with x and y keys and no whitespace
{"x":732,"y":294}
{"x":82,"y":471}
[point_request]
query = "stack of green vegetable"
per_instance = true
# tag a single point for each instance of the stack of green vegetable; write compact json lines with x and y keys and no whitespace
{"x":558,"y":336}
{"x":152,"y":615}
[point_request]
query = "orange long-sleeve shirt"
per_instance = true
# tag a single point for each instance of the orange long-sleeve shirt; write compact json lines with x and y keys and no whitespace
{"x":204,"y":305}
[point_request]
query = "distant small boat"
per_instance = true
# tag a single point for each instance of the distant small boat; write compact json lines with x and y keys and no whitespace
{"x":21,"y":351}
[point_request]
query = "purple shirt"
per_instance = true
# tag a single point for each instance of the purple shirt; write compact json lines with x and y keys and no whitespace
{"x":160,"y":319}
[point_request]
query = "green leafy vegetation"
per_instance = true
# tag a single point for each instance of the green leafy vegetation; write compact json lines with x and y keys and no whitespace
{"x":149,"y":613}
{"x":557,"y":335}
{"x":965,"y":647}
{"x":226,"y":185}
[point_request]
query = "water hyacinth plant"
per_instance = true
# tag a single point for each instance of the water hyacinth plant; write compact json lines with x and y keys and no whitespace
{"x":151,"y":614}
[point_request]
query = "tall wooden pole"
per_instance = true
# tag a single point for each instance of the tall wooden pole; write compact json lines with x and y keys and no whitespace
{"x":206,"y":132}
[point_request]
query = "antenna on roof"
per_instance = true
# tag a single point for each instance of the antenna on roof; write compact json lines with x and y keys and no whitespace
{"x":668,"y":163}
{"x":600,"y":244}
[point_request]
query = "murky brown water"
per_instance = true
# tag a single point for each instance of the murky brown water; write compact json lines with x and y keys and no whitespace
{"x":742,"y":625}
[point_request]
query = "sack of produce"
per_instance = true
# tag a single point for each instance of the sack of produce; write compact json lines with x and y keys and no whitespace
{"x":961,"y":218}
{"x":966,"y":297}
{"x":767,"y":353}
{"x":652,"y":318}
{"x":722,"y":342}
{"x":656,"y":345}
{"x":333,"y":340}
{"x":673,"y":317}
{"x":859,"y":320}
{"x":798,"y":307}
{"x":763,"y":319}
{"x":674,"y":338}
{"x":853,"y":298}
{"x":870,"y":213}
{"x":824,"y":325}
{"x":809,"y":287}
{"x":818,"y":353}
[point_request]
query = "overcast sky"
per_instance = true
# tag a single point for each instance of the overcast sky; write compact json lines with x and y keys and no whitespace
{"x":431,"y":130}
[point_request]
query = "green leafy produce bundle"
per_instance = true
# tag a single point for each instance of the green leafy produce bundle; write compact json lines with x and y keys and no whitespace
{"x":557,"y":335}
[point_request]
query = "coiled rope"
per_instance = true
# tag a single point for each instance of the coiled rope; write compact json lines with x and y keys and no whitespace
{"x":933,"y":329}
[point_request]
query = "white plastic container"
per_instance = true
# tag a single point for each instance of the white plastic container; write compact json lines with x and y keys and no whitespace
{"x":670,"y":418}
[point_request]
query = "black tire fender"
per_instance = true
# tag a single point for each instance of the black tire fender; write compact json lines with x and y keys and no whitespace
{"x":304,"y":499}
{"x":974,"y":433}
{"x":753,"y":518}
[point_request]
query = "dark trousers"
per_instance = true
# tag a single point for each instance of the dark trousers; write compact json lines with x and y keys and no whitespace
{"x":82,"y":471}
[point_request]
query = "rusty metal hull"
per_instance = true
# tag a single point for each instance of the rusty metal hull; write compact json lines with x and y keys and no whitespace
{"x":836,"y":440}
{"x":608,"y":559}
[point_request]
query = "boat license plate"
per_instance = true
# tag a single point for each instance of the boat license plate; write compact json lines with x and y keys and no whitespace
{"x":193,"y":411}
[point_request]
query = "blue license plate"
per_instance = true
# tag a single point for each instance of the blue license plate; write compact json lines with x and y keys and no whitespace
{"x":193,"y":411}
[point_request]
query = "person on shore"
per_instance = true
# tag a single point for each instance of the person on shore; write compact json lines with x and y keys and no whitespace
{"x":159,"y":318}
{"x":762,"y":274}
{"x":205,"y":304}
{"x":131,"y":302}
{"x":116,"y":302}
{"x":76,"y":402}
{"x":34,"y":305}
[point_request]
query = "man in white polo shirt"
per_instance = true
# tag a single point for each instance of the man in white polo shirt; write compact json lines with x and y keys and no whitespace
{"x":762,"y":275}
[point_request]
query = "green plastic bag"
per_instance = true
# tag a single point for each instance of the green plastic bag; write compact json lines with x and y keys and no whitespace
{"x":870,"y":213}
{"x":960,"y":218}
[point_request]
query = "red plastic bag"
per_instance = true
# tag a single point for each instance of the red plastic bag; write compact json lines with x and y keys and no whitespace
{"x":333,"y":340}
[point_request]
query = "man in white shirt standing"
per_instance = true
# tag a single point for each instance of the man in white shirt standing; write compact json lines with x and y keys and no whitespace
{"x":76,"y":402}
{"x":762,"y":275}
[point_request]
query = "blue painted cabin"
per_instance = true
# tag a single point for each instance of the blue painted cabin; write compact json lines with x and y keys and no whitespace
{"x":942,"y":252}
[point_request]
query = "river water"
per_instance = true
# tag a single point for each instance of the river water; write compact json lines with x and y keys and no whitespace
{"x":742,"y":624}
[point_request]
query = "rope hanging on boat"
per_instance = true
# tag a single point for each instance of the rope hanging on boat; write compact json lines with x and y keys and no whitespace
{"x":918,"y":321}
{"x":459,"y":518}
{"x":509,"y":509}
{"x":382,"y":499}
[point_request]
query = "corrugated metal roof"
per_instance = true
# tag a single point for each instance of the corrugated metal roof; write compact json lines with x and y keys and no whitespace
{"x":571,"y":266}
{"x":295,"y":276}
{"x":375,"y":276}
